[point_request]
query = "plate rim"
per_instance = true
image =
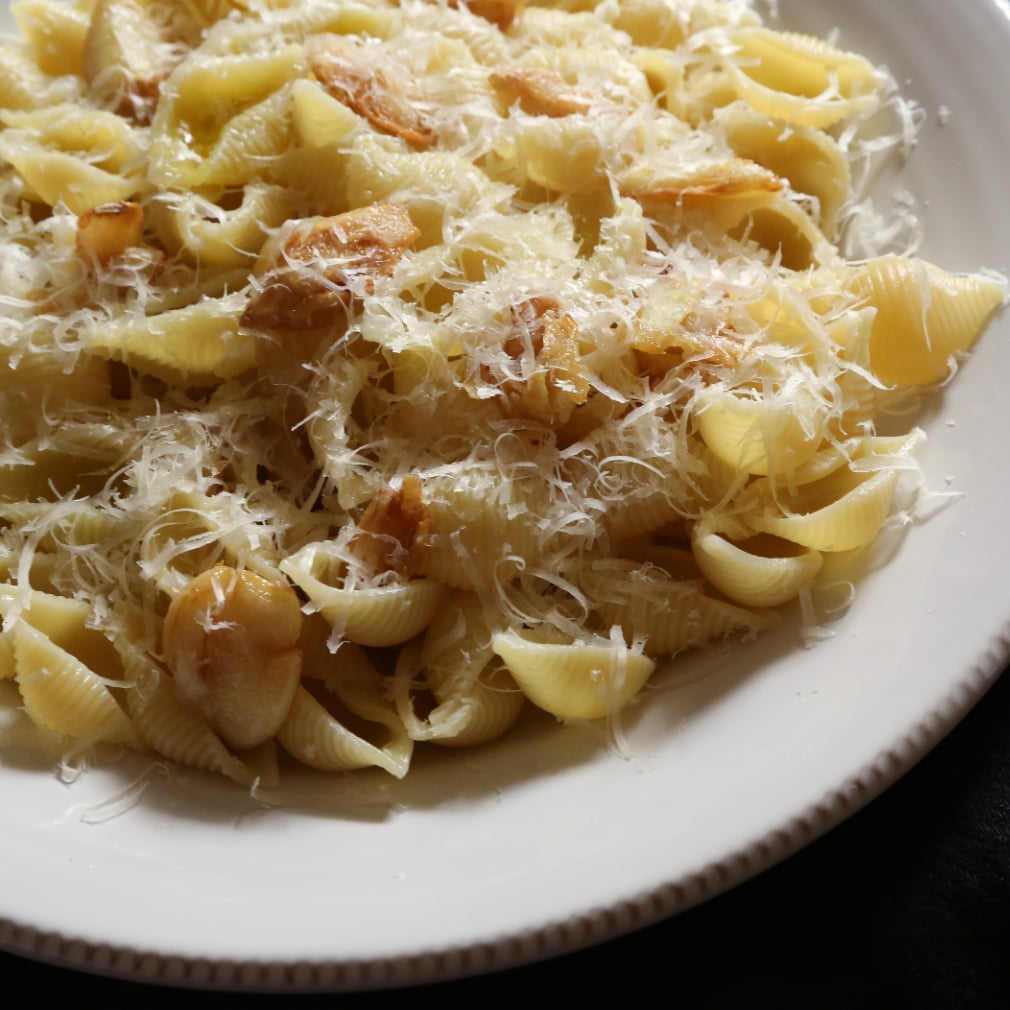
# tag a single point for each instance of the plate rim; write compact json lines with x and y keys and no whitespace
{"x":551,"y":939}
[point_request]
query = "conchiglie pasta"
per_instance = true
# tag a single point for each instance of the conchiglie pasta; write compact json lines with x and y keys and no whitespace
{"x":787,"y":232}
{"x":925,"y":316}
{"x":376,"y":616}
{"x":57,"y":33}
{"x":837,"y":513}
{"x":25,"y":85}
{"x":477,"y":699}
{"x":750,"y":573}
{"x":574,"y":680}
{"x":177,"y":732}
{"x":800,"y":79}
{"x":481,"y":530}
{"x":61,"y":694}
{"x":378,"y":173}
{"x":319,"y":119}
{"x":201,"y":343}
{"x":318,"y":739}
{"x":761,"y":435}
{"x":668,"y":615}
{"x":55,"y":177}
{"x":64,"y":622}
{"x":196,"y":143}
{"x":810,"y":159}
{"x":718,"y":191}
{"x":212,"y":235}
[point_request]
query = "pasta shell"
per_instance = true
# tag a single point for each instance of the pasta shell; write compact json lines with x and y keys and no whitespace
{"x":319,"y":119}
{"x":800,"y":79}
{"x":574,"y":680}
{"x":55,"y":177}
{"x":787,"y":232}
{"x":668,"y":614}
{"x":810,"y":159}
{"x":769,"y":435}
{"x":461,"y":671}
{"x":480,"y":528}
{"x":720,"y":191}
{"x":62,"y":695}
{"x":98,"y":137}
{"x":839,"y":513}
{"x":925,"y":316}
{"x":209,"y":235}
{"x":318,"y":739}
{"x":64,"y":621}
{"x":382,"y":616}
{"x":24,"y":85}
{"x":750,"y":578}
{"x":56,"y":32}
{"x":198,"y":344}
{"x":180,"y":734}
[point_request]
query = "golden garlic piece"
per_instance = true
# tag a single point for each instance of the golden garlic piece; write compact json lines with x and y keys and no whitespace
{"x":231,"y":641}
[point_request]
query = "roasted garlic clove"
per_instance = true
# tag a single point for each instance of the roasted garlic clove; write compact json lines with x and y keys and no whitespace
{"x":108,"y":230}
{"x":393,"y":530}
{"x":230,"y":639}
{"x":313,"y":269}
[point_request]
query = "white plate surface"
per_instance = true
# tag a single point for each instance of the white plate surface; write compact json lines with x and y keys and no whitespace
{"x":549,"y":840}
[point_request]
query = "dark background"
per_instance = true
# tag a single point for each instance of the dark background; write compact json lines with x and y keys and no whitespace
{"x":906,"y":904}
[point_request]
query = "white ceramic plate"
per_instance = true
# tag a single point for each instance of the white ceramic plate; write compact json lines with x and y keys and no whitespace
{"x":549,"y":841}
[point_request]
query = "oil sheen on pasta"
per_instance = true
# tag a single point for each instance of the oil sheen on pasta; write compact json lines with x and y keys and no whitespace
{"x":373,"y":372}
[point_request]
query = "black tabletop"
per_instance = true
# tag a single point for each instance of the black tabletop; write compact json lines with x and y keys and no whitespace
{"x":906,"y":904}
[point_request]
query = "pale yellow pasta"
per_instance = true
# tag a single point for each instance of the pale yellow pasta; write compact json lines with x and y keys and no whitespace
{"x":837,"y":513}
{"x":749,"y":577}
{"x":862,"y":392}
{"x":380,"y":616}
{"x":551,"y":152}
{"x":356,"y":689}
{"x":56,"y":33}
{"x":64,"y":622}
{"x":193,"y":531}
{"x":925,"y":317}
{"x":574,"y":680}
{"x":199,"y":343}
{"x":62,"y":694}
{"x":179,"y":733}
{"x":97,"y":137}
{"x":319,"y":119}
{"x":73,"y":463}
{"x":247,"y":143}
{"x":56,"y":177}
{"x":810,"y":159}
{"x":720,"y":191}
{"x":764,"y":434}
{"x":199,"y":229}
{"x":375,"y":173}
{"x":656,"y":23}
{"x":25,"y":85}
{"x":667,"y":615}
{"x":318,"y":739}
{"x":477,"y":699}
{"x":787,"y":232}
{"x":191,"y":148}
{"x":799,"y":79}
{"x":480,"y":530}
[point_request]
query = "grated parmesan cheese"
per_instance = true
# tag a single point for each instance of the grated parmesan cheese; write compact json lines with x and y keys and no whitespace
{"x":519,"y":311}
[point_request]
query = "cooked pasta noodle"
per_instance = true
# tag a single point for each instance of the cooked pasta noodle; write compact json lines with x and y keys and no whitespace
{"x":374,"y":372}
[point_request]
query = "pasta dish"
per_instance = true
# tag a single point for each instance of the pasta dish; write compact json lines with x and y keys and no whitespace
{"x":373,"y":371}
